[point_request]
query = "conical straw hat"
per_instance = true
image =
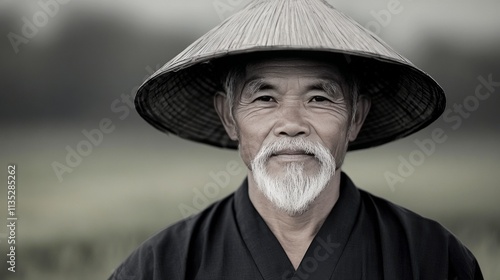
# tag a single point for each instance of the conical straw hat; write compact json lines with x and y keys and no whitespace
{"x":178,"y":98}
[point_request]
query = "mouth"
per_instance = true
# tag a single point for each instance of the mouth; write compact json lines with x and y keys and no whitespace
{"x":292,"y":154}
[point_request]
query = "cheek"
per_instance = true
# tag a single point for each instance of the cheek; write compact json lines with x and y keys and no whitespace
{"x":252,"y":114}
{"x":333,"y":132}
{"x":251,"y":136}
{"x":247,"y":152}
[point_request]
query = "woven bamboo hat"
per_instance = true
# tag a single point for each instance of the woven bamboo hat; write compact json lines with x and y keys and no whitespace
{"x":178,"y":98}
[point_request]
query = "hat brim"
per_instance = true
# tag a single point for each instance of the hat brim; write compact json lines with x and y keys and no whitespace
{"x":180,"y":101}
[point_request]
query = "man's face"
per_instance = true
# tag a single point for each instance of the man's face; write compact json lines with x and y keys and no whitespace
{"x":292,"y":99}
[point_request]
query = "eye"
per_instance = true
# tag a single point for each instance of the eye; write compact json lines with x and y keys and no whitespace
{"x":320,"y":99}
{"x":264,"y":98}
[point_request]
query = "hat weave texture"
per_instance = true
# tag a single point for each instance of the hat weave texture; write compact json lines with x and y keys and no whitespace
{"x":179,"y":97}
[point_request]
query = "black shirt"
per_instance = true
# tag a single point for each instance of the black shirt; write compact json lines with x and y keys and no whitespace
{"x":364,"y":237}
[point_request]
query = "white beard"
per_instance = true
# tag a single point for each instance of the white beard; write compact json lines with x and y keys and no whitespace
{"x":295,"y":190}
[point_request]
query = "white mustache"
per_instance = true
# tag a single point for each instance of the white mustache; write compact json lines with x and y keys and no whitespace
{"x":293,"y":190}
{"x":294,"y":146}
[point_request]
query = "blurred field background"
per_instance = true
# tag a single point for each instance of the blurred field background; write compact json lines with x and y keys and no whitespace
{"x":92,"y":54}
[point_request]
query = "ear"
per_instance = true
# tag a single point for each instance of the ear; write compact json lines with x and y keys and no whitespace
{"x":222,"y":108}
{"x":362,"y":108}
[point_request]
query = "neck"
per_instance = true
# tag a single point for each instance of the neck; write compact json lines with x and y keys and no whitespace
{"x":295,"y":233}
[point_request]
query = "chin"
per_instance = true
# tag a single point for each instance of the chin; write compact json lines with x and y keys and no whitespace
{"x":293,"y":190}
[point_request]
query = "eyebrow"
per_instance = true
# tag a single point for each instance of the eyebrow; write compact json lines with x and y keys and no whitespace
{"x":253,"y":85}
{"x":331,"y":87}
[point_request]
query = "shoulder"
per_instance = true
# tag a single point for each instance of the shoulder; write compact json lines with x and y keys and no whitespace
{"x":427,"y":241}
{"x":172,"y":246}
{"x":399,"y":216}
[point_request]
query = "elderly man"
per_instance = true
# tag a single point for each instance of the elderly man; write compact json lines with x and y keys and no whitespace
{"x":294,"y":85}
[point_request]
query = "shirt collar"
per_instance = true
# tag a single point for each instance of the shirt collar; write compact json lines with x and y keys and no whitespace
{"x":325,"y":250}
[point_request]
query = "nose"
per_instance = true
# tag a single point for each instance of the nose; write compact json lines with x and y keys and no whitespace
{"x":291,"y":121}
